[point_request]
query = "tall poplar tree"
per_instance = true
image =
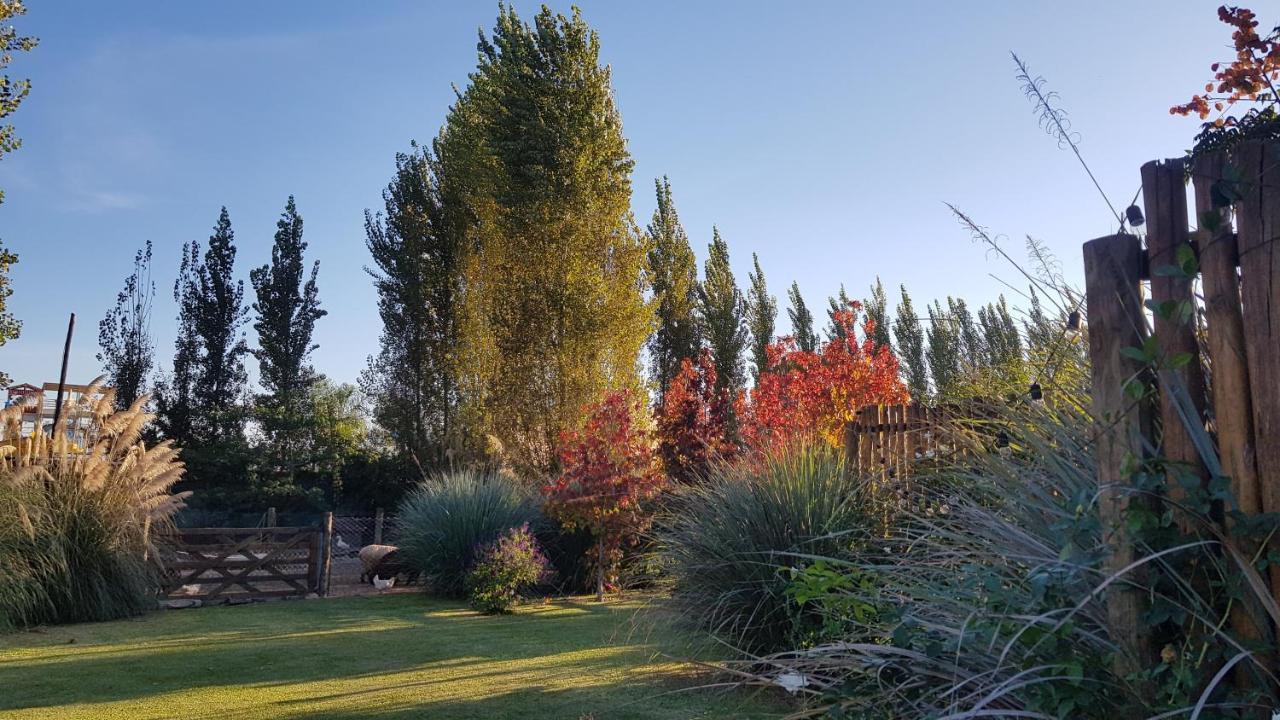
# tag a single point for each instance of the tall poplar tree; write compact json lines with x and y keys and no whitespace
{"x":674,"y":271}
{"x":801,"y":320}
{"x":836,"y":330}
{"x":417,"y":271}
{"x":723,"y":315}
{"x":554,"y":312}
{"x":944,"y":349}
{"x":124,"y":335}
{"x":762,"y":312}
{"x":911,"y":353}
{"x":878,"y":311}
{"x":286,"y":311}
{"x":202,"y":401}
{"x":1001,"y":340}
{"x":12,"y":93}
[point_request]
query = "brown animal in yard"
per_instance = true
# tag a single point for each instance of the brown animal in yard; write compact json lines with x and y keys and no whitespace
{"x":384,"y":561}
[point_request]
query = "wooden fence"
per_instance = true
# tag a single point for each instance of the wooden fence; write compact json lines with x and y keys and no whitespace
{"x":1239,"y":273}
{"x":229,"y":564}
{"x":888,"y":440}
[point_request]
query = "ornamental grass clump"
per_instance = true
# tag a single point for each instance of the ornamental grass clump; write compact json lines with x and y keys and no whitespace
{"x":734,"y":547}
{"x":80,"y":512}
{"x":450,"y":516}
{"x":505,"y":570}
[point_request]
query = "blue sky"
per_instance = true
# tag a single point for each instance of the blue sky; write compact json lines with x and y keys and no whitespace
{"x":824,"y":136}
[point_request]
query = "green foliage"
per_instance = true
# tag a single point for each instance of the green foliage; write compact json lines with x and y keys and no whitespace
{"x":417,"y":255}
{"x":762,"y":310}
{"x":450,"y":516}
{"x":10,"y":327}
{"x":910,"y":348}
{"x":837,"y":330}
{"x":504,"y":570}
{"x":736,"y":547}
{"x":723,"y":315}
{"x":12,"y":92}
{"x":554,"y":312}
{"x":674,"y":271}
{"x":202,"y":399}
{"x":286,"y":313}
{"x":877,"y":307}
{"x":944,"y":350}
{"x":801,"y":321}
{"x":124,"y":335}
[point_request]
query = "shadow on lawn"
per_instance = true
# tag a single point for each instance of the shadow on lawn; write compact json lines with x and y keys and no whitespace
{"x":382,"y":648}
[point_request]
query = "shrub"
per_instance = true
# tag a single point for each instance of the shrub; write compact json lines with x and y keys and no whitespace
{"x":733,"y":545}
{"x":77,"y":525}
{"x":505,"y":569}
{"x":449,"y":516}
{"x":609,"y":476}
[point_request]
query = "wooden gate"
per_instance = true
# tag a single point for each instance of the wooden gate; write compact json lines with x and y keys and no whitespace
{"x":229,"y":564}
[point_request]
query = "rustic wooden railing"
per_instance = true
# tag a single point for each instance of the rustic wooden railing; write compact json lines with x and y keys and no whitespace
{"x":1239,"y":272}
{"x":889,"y":440}
{"x":227,"y":564}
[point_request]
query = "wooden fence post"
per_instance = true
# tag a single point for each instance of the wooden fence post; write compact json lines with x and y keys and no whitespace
{"x":1112,"y":268}
{"x":271,"y":517}
{"x":1258,"y":228}
{"x":1165,"y":197}
{"x":379,"y":517}
{"x":326,"y":552}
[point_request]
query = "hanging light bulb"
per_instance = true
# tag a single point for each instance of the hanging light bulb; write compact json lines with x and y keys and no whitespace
{"x":1134,"y":216}
{"x":1037,"y":394}
{"x":1073,"y":322}
{"x":1002,"y":440}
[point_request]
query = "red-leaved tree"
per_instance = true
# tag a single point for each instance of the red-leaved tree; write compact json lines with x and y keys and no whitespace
{"x":693,"y":422}
{"x":608,"y":475}
{"x":1251,"y":77}
{"x":817,"y":393}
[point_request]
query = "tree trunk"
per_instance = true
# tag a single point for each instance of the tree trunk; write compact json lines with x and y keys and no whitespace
{"x":600,"y":565}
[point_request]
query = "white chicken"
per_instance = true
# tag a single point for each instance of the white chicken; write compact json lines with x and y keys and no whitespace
{"x":381,"y":584}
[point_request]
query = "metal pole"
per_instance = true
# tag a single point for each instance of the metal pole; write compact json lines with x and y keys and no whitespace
{"x":62,"y":379}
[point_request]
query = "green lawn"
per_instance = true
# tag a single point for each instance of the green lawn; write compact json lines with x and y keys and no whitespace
{"x":397,"y":656}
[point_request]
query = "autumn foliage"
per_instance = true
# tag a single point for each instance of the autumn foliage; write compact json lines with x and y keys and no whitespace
{"x":1250,"y":77}
{"x":608,"y":473}
{"x":693,"y":422}
{"x":817,"y":393}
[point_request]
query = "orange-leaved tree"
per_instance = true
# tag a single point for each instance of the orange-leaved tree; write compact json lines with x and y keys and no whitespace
{"x":693,"y":422}
{"x":608,"y":476}
{"x":814,"y":394}
{"x":1251,"y":77}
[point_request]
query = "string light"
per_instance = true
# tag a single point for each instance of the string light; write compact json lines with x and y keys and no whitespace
{"x":1037,"y":394}
{"x":1134,"y":215}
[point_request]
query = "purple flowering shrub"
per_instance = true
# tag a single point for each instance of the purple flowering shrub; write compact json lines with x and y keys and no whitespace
{"x":505,"y":569}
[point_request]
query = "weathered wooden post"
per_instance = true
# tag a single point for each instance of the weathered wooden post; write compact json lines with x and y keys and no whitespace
{"x":1112,"y":267}
{"x":326,"y":552}
{"x":1258,"y":229}
{"x":379,"y":517}
{"x":271,"y":517}
{"x":1165,"y":197}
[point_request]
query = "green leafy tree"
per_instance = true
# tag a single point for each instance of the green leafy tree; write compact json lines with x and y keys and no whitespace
{"x":124,"y":335}
{"x":417,"y":271}
{"x":723,"y":316}
{"x":944,"y":350}
{"x":877,"y":307}
{"x":972,"y":353}
{"x":1001,"y":338}
{"x":286,"y":312}
{"x":10,"y":327}
{"x":554,"y":313}
{"x":12,"y":93}
{"x":801,"y":321}
{"x":762,"y":311}
{"x":911,"y":348}
{"x":203,"y":400}
{"x":836,"y":330}
{"x":674,"y":270}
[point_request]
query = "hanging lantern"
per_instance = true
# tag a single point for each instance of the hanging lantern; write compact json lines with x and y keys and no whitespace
{"x":1036,"y":393}
{"x":1002,"y":440}
{"x":1134,"y":216}
{"x":1073,"y":321}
